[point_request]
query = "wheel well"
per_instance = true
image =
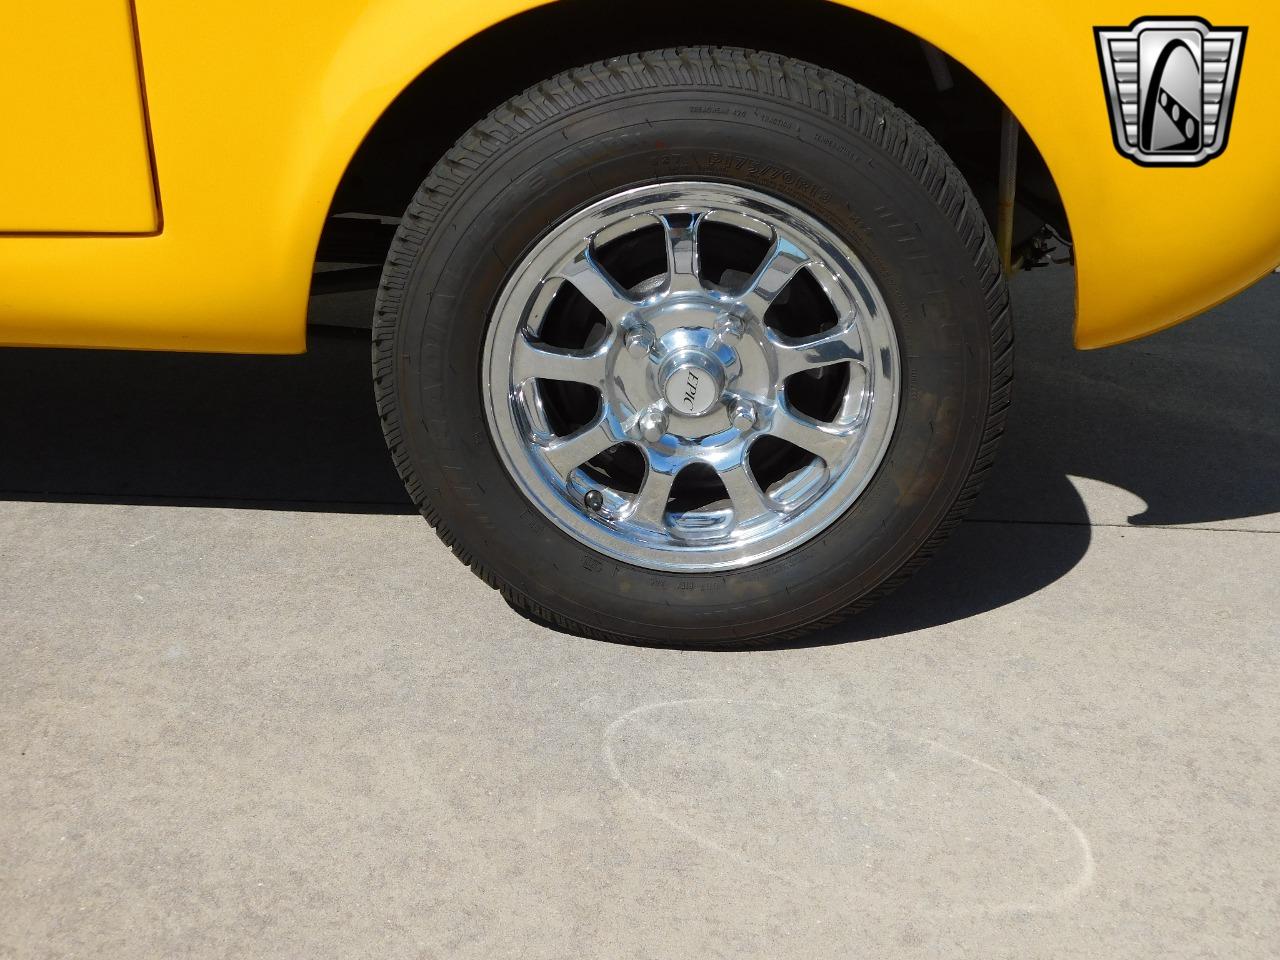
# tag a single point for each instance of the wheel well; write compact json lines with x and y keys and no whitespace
{"x":957,"y":108}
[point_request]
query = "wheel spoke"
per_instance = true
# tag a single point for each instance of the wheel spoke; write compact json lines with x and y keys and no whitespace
{"x":649,"y":505}
{"x":683,"y":259}
{"x":566,"y":453}
{"x":783,"y":261}
{"x":552,"y":363}
{"x":840,"y":345}
{"x":749,"y":501}
{"x":598,"y":287}
{"x":822,"y":440}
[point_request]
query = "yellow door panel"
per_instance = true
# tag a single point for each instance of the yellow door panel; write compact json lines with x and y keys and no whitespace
{"x":75,"y":156}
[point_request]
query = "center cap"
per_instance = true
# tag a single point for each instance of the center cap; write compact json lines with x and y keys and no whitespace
{"x":692,"y":382}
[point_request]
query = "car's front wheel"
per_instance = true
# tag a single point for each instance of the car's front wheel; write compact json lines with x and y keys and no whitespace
{"x":694,"y":346}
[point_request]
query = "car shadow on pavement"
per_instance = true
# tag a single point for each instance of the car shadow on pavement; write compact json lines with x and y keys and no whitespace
{"x":1187,"y":421}
{"x":286,"y":433}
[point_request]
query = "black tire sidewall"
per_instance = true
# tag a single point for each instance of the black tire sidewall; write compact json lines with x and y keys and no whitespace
{"x":909,"y":245}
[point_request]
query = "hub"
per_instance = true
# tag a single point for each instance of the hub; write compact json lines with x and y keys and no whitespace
{"x":690,"y":370}
{"x":692,"y":381}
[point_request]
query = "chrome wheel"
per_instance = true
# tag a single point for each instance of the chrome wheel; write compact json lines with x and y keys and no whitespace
{"x":691,"y":376}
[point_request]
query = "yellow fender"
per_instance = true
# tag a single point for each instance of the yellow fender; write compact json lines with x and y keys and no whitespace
{"x":256,"y":110}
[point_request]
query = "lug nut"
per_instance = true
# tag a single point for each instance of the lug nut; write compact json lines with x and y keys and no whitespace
{"x":653,"y":425}
{"x":729,"y":327}
{"x":639,"y":341}
{"x":743,"y":415}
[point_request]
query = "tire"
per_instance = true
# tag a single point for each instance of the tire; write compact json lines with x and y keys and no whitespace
{"x":839,"y":156}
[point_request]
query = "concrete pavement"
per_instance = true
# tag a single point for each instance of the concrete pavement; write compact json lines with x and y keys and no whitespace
{"x":251,"y":707}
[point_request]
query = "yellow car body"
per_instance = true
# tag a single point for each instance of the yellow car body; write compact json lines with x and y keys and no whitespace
{"x":168,"y":167}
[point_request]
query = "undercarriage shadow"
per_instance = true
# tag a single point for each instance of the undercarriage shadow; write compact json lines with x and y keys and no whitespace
{"x":1186,"y":421}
